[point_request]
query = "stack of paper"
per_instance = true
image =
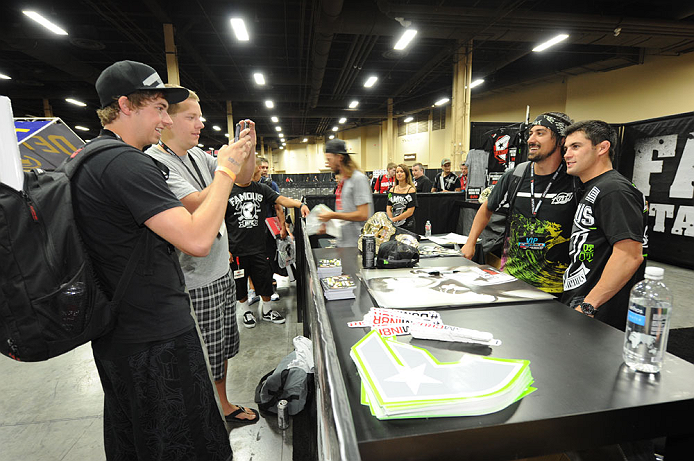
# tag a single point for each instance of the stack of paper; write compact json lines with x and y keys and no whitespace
{"x":404,"y":381}
{"x":329,"y":268}
{"x":338,"y":287}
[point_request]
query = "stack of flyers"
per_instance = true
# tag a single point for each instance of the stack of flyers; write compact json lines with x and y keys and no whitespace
{"x":421,"y":325}
{"x":338,"y":287}
{"x":329,"y":268}
{"x":403,"y":381}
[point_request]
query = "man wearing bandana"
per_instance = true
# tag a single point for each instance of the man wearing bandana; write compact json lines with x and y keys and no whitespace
{"x":540,"y":205}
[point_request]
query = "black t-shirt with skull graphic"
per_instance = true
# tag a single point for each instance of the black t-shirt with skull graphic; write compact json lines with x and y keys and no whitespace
{"x":245,"y":218}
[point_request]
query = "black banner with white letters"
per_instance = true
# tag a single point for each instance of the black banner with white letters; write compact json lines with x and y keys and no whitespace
{"x":658,"y":156}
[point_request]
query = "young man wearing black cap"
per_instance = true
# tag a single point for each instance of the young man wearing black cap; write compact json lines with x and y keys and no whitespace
{"x":446,"y":180}
{"x":353,"y":200}
{"x":539,"y":221}
{"x":158,"y":396}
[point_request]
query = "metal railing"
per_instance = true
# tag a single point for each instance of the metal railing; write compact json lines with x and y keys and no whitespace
{"x":336,"y":435}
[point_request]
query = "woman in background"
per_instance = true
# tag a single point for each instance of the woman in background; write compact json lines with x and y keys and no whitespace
{"x":402,"y":199}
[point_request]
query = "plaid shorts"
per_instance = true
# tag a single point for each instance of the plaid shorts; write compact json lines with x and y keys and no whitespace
{"x":215,"y":309}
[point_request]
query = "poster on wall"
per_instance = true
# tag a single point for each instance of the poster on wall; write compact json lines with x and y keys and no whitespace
{"x":658,"y":156}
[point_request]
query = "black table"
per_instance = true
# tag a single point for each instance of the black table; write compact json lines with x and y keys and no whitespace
{"x":585,"y":396}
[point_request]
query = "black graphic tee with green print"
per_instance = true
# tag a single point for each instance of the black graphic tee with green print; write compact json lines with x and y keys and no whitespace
{"x":612,"y":209}
{"x":537,"y":248}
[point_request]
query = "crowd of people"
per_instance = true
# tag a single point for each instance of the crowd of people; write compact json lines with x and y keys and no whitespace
{"x":575,"y":228}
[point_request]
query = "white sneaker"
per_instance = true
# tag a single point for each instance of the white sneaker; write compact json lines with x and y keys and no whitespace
{"x":274,"y":297}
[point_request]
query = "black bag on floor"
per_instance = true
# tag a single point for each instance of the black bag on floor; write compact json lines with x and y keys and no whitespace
{"x":50,"y":300}
{"x":291,"y":384}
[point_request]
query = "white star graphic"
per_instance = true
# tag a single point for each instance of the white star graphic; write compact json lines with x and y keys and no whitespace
{"x":413,"y":377}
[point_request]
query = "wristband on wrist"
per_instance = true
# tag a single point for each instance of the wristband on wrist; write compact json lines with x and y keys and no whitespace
{"x":226,"y":171}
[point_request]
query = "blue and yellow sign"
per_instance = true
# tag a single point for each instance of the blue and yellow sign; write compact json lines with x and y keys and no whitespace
{"x":45,"y":143}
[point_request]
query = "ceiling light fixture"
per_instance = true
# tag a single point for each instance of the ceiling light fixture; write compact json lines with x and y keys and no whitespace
{"x":332,"y":136}
{"x":342,"y":120}
{"x":477,"y":82}
{"x":405,"y":40}
{"x":305,"y":140}
{"x":353,"y":104}
{"x":201,"y":145}
{"x":226,"y":135}
{"x":334,"y":128}
{"x":240,"y":29}
{"x":259,"y":78}
{"x":274,"y":119}
{"x":408,"y":119}
{"x":551,"y":42}
{"x":81,"y":128}
{"x":441,"y":102}
{"x":5,"y":77}
{"x":282,"y":147}
{"x":370,"y":81}
{"x":269,"y":104}
{"x":45,"y":22}
{"x":203,"y":119}
{"x":217,"y":128}
{"x":75,"y":102}
{"x":281,"y":135}
{"x":278,"y":128}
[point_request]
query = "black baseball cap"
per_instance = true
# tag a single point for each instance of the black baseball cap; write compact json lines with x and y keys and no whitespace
{"x":336,"y":146}
{"x":126,"y":77}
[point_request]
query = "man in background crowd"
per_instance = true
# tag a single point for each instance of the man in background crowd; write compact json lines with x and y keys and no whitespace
{"x":386,"y":181}
{"x":353,"y":200}
{"x":446,"y":180}
{"x":463,"y":177}
{"x":421,"y":181}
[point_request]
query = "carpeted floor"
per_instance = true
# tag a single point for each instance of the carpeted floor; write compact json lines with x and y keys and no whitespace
{"x":681,"y":343}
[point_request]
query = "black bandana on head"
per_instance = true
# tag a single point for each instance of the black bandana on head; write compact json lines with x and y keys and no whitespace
{"x":553,"y":123}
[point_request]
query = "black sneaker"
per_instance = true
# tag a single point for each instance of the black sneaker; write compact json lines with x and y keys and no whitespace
{"x":274,"y":317}
{"x":249,"y":319}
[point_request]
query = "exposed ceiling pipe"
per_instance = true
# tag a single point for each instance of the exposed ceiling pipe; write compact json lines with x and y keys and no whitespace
{"x":330,"y":10}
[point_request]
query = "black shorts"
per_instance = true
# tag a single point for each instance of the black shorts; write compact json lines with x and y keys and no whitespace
{"x":159,"y":403}
{"x":258,"y":268}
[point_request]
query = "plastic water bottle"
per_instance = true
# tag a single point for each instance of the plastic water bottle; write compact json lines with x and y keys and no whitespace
{"x":427,"y":229}
{"x":648,"y":323}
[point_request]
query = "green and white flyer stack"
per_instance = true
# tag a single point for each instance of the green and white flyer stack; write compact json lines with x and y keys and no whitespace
{"x":404,"y":381}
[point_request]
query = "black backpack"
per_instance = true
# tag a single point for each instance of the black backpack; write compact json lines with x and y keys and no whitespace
{"x":50,"y":299}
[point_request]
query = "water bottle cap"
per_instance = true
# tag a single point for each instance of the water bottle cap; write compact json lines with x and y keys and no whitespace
{"x":654,"y":273}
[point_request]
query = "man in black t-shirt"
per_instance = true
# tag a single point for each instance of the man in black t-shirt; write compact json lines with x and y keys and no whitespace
{"x":245,"y":220}
{"x":421,"y":181}
{"x":540,"y":215}
{"x":446,"y":180}
{"x":609,"y":229}
{"x":119,"y":195}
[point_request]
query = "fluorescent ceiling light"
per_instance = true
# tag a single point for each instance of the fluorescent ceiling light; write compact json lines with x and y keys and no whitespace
{"x":274,"y":119}
{"x":226,"y":135}
{"x":217,"y":128}
{"x":281,"y":135}
{"x":441,"y":102}
{"x":305,"y":140}
{"x":203,"y":119}
{"x":353,"y":104}
{"x":269,"y":104}
{"x":370,"y":81}
{"x":75,"y":102}
{"x":259,"y":78}
{"x":408,"y":119}
{"x":81,"y":128}
{"x":240,"y":29}
{"x":284,"y":143}
{"x":278,"y":128}
{"x":334,"y":128}
{"x":551,"y":42}
{"x":45,"y":22}
{"x":477,"y":82}
{"x":332,"y":136}
{"x":201,"y":145}
{"x":342,"y":120}
{"x":5,"y":77}
{"x":405,"y":40}
{"x":281,"y":147}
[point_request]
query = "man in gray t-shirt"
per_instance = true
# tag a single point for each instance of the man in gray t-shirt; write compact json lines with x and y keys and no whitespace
{"x":353,"y":200}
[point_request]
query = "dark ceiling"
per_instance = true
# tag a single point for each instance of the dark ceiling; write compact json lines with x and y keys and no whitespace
{"x":317,"y":54}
